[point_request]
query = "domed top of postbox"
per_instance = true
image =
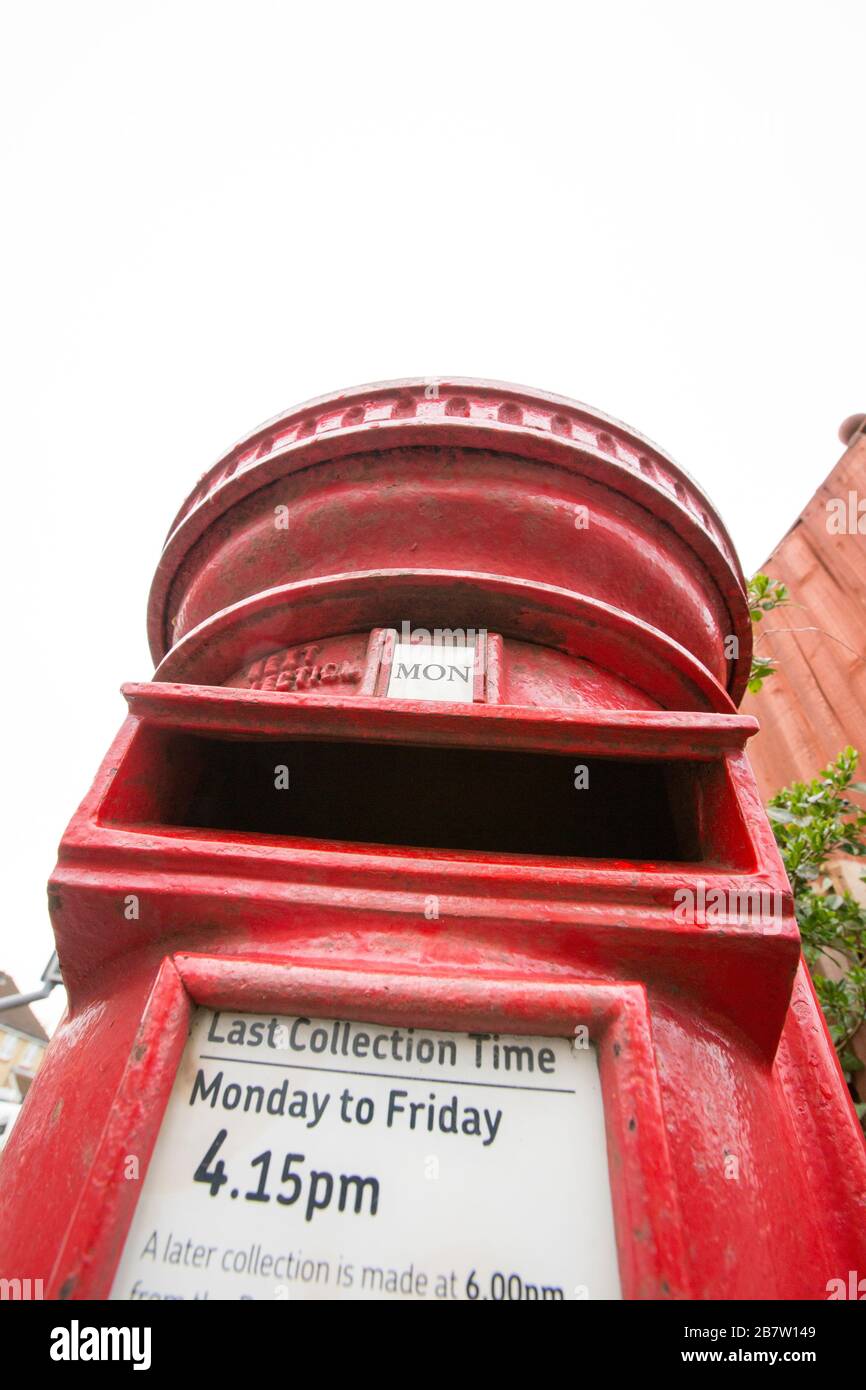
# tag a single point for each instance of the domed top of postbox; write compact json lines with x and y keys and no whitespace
{"x":455,"y":503}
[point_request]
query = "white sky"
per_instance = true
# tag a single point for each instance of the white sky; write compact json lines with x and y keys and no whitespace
{"x":214,"y":211}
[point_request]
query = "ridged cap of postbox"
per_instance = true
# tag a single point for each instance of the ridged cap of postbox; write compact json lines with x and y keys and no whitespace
{"x":462,"y":503}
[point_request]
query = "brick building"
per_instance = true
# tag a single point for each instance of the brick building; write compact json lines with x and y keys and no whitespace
{"x":22,"y":1044}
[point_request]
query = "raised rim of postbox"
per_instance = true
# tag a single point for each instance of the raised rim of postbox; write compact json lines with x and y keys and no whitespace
{"x":650,"y":1240}
{"x":310,"y":609}
{"x":469,"y":413}
{"x":686,"y":735}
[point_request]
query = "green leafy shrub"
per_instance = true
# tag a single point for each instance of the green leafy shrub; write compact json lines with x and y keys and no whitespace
{"x":764,"y":594}
{"x":814,"y":821}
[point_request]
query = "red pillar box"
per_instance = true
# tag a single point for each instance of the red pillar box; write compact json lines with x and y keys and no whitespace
{"x":423,"y":930}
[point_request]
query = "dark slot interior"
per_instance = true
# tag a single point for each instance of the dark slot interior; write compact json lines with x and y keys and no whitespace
{"x":436,"y":798}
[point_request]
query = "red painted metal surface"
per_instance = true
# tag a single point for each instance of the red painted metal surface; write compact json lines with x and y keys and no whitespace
{"x":616,"y":632}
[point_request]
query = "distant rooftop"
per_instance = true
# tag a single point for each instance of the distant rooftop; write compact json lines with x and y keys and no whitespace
{"x":22,"y":1019}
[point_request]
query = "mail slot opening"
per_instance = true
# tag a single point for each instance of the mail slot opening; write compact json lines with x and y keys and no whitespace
{"x":462,"y":800}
